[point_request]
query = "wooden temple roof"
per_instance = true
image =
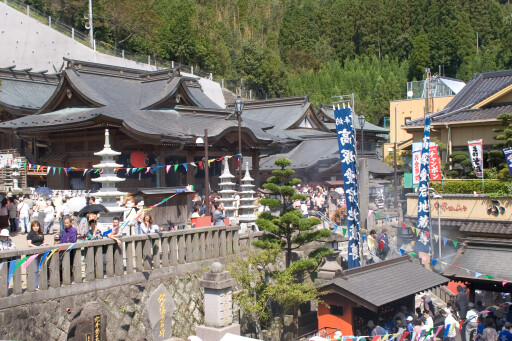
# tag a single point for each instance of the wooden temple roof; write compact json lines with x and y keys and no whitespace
{"x":158,"y":107}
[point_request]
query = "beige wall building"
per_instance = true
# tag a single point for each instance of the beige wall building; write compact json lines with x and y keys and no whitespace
{"x":403,"y":111}
{"x":471,"y":115}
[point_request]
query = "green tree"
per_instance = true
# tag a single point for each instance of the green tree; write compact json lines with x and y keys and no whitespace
{"x":289,"y":231}
{"x":459,"y":166}
{"x":420,"y":56}
{"x":496,"y":157}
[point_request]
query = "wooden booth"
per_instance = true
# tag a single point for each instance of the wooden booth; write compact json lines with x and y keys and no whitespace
{"x":375,"y":291}
{"x":174,"y":213}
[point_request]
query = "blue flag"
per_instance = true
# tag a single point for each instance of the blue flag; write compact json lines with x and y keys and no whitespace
{"x":346,"y":143}
{"x":508,"y":157}
{"x":444,"y":241}
{"x":12,"y":267}
{"x":423,"y":223}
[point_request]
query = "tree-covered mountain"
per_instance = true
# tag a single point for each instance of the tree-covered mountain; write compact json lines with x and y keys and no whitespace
{"x":318,"y":47}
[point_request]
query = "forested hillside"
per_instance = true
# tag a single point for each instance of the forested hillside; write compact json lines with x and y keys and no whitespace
{"x":318,"y":47}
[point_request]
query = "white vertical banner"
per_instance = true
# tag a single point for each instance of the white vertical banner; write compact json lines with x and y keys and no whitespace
{"x":475,"y":153}
{"x":416,"y":162}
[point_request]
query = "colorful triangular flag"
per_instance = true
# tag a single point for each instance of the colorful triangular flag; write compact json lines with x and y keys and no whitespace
{"x":434,"y":261}
{"x":167,"y":168}
{"x":175,"y":167}
{"x":454,"y":243}
{"x":185,"y":165}
{"x":444,"y":241}
{"x":504,"y":282}
{"x":477,"y":274}
{"x":402,"y":251}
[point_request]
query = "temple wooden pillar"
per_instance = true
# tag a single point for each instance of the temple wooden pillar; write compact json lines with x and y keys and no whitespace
{"x":256,"y":169}
{"x":191,"y":169}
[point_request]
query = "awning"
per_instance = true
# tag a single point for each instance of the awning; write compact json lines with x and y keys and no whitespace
{"x":488,"y":227}
{"x":375,"y":285}
{"x":483,"y":258}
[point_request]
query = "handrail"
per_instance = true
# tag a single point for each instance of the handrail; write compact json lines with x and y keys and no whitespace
{"x":98,"y":259}
{"x":317,"y":332}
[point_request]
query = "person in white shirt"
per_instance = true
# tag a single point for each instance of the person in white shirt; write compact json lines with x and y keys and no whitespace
{"x":450,"y":324}
{"x":471,"y":323}
{"x":49,"y":216}
{"x":24,"y":216}
{"x":429,"y":324}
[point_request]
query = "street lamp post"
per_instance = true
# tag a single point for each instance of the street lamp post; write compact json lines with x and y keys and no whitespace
{"x":239,"y":108}
{"x":362,"y":121}
{"x":438,"y":197}
{"x":200,"y":141}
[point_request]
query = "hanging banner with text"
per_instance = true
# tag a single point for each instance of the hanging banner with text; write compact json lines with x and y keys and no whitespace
{"x":434,"y":163}
{"x":346,"y":144}
{"x":423,"y":223}
{"x":508,"y":157}
{"x":475,"y":152}
{"x":416,"y":162}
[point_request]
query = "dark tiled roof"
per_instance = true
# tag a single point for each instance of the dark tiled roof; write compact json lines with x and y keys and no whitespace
{"x":307,"y":154}
{"x":378,"y":167}
{"x":489,"y":257}
{"x":24,"y":93}
{"x":482,"y":86}
{"x":378,"y":284}
{"x":368,"y":127}
{"x":479,"y":88}
{"x":120,"y":95}
{"x":487,"y":227}
{"x":468,"y":115}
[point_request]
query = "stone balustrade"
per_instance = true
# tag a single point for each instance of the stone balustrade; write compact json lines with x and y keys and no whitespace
{"x":93,"y":261}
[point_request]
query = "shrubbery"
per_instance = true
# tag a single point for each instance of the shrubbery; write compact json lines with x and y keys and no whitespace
{"x":470,"y":186}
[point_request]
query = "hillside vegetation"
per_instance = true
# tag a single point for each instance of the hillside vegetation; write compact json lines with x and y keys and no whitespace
{"x":318,"y":47}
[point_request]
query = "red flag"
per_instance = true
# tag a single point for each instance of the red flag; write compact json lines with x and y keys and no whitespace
{"x":200,"y":163}
{"x":434,"y":163}
{"x":376,"y":337}
{"x":404,"y":335}
{"x":427,"y":234}
{"x":403,"y":226}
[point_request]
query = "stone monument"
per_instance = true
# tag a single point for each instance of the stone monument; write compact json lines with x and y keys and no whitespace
{"x":89,"y":324}
{"x":227,"y":191}
{"x":15,"y":178}
{"x":218,"y":305}
{"x":158,"y":314}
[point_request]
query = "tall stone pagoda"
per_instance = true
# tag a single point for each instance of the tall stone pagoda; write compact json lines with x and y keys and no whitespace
{"x":227,"y":191}
{"x":108,"y":179}
{"x":247,"y":206}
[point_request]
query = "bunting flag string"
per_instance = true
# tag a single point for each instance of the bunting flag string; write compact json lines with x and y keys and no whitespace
{"x":128,"y":170}
{"x":25,"y":261}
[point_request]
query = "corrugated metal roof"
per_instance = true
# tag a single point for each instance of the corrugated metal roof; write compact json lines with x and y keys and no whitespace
{"x":378,"y":284}
{"x":488,"y":257}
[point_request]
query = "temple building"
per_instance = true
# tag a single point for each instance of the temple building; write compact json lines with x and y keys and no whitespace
{"x":156,"y":119}
{"x":157,"y":115}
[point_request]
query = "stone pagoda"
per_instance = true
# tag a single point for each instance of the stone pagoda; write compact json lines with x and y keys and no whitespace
{"x":227,"y":191}
{"x":247,"y":206}
{"x":108,"y":179}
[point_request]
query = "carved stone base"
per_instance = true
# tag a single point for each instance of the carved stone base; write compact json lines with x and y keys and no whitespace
{"x":215,"y":334}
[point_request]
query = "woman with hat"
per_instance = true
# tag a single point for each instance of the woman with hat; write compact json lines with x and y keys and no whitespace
{"x":6,"y":242}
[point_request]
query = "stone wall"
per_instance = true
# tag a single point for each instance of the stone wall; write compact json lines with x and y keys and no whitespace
{"x":123,"y":305}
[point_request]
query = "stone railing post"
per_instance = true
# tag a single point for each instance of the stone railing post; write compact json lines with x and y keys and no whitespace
{"x":218,"y":304}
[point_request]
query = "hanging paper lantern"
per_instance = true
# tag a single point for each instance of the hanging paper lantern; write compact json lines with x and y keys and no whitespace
{"x":138,"y":159}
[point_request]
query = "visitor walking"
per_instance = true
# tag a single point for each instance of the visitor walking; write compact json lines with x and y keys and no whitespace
{"x":24,"y":215}
{"x":49,"y":217}
{"x":383,"y":241}
{"x":450,"y":324}
{"x":13,"y":213}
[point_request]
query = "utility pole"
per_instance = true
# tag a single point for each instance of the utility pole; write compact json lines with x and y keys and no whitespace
{"x":395,"y":168}
{"x":91,"y":29}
